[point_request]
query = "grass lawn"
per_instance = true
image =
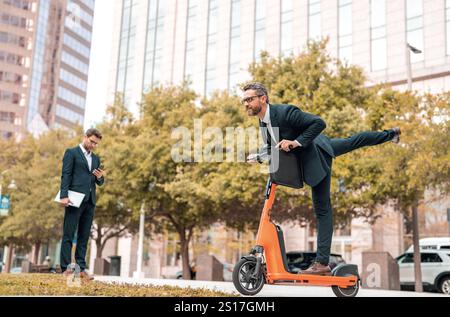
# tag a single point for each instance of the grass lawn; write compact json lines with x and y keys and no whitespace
{"x":57,"y":285}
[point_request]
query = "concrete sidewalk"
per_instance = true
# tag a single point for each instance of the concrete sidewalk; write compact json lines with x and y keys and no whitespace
{"x":267,"y":291}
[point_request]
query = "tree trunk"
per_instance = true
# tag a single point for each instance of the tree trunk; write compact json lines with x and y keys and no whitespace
{"x":417,"y":259}
{"x":98,"y":243}
{"x":37,"y":249}
{"x":9,"y":256}
{"x":184,"y":244}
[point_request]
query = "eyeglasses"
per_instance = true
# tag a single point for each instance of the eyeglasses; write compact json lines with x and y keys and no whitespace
{"x":250,"y":99}
{"x":93,"y":142}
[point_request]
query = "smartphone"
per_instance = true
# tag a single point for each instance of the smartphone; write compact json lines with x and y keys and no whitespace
{"x":100,"y":167}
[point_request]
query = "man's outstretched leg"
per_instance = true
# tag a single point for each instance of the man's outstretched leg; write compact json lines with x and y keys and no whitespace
{"x":358,"y":140}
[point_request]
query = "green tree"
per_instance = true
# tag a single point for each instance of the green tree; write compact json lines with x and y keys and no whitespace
{"x":176,"y":197}
{"x":115,"y":214}
{"x":320,"y":84}
{"x":35,"y":218}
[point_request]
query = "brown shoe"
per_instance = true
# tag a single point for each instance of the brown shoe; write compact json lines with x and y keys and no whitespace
{"x":317,"y":269}
{"x":86,"y":276}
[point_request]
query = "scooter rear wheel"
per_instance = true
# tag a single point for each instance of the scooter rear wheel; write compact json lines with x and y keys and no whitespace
{"x":345,"y":292}
{"x":243,"y":278}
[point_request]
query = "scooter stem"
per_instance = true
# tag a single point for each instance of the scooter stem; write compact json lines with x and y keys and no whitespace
{"x":265,"y":216}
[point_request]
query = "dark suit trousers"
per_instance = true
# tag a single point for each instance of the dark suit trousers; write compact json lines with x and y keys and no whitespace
{"x":77,"y":220}
{"x":321,"y":192}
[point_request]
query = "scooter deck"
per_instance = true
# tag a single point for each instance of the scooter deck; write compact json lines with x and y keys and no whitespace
{"x":314,"y":280}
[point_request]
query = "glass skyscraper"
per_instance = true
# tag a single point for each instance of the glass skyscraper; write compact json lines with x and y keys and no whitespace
{"x":212,"y":42}
{"x":44,"y":63}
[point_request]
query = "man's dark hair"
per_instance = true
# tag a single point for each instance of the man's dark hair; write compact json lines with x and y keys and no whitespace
{"x":92,"y":131}
{"x":258,"y":87}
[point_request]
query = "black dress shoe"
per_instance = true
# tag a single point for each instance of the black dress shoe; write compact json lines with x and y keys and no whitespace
{"x":397,"y":132}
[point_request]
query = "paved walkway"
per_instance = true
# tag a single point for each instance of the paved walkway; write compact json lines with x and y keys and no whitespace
{"x":267,"y":291}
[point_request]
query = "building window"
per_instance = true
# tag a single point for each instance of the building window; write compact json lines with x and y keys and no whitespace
{"x":11,"y":58}
{"x":378,"y":46}
{"x":155,"y":43}
{"x":10,"y":97}
{"x":211,"y":53}
{"x":76,"y":45}
{"x":74,"y":9}
{"x":13,"y":20}
{"x":20,"y":4}
{"x":69,"y":115}
{"x":7,"y":117}
{"x":13,"y":78}
{"x":287,"y":27}
{"x":74,"y":62}
{"x":314,"y":23}
{"x":235,"y":45}
{"x":73,"y":80}
{"x":126,"y":50}
{"x":414,"y":27}
{"x":447,"y":18}
{"x":71,"y":97}
{"x":14,"y":39}
{"x":79,"y":29}
{"x":191,"y":36}
{"x":260,"y":28}
{"x":345,"y":30}
{"x":89,"y":3}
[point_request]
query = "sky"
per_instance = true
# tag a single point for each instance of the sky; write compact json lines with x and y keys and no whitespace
{"x":99,"y":63}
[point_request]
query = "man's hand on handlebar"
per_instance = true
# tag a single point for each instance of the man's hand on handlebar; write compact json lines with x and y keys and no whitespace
{"x":253,"y":158}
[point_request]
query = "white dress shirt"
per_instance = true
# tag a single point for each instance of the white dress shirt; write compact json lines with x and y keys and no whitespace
{"x":87,"y":155}
{"x":268,"y":123}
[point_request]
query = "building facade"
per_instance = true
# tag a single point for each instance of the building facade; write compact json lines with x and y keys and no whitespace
{"x":44,"y":62}
{"x":212,"y":42}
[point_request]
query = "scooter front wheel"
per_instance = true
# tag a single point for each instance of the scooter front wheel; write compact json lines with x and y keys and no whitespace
{"x":244,"y":278}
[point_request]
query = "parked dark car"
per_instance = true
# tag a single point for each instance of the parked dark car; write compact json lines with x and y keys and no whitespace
{"x":301,"y":260}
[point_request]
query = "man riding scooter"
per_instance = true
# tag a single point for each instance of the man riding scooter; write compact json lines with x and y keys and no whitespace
{"x":300,"y":133}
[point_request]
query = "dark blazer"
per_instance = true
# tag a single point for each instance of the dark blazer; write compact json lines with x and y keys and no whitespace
{"x":306,"y":128}
{"x":76,"y":175}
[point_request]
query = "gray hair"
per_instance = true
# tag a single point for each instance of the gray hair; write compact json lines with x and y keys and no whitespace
{"x":258,"y":87}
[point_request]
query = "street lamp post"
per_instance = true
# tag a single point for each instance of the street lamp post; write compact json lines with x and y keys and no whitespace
{"x":415,"y":216}
{"x":409,"y":49}
{"x":138,"y":273}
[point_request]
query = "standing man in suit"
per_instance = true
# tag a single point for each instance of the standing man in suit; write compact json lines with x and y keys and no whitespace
{"x":300,"y":133}
{"x":81,"y":173}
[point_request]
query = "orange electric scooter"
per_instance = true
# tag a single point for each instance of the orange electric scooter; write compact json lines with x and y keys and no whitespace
{"x":267,"y":262}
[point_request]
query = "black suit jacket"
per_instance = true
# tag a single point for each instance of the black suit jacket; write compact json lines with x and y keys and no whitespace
{"x":306,"y":128}
{"x":76,"y":175}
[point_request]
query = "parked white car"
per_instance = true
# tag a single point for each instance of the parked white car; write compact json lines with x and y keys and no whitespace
{"x":435,"y":270}
{"x":440,"y":243}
